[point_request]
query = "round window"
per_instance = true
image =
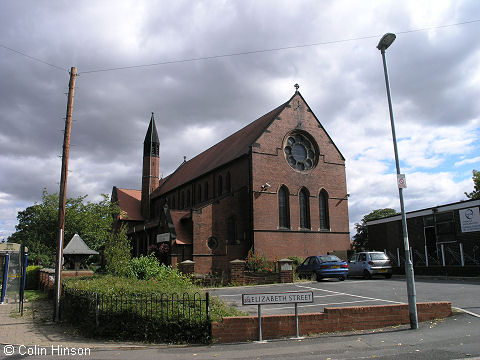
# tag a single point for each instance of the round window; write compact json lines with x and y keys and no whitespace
{"x":300,"y":151}
{"x":212,"y":243}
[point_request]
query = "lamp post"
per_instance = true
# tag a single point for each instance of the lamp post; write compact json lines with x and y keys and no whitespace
{"x":383,"y":45}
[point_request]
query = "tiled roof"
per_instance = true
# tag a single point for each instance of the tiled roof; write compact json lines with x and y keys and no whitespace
{"x":184,"y":236}
{"x":229,"y":149}
{"x":77,"y":246}
{"x":129,"y":202}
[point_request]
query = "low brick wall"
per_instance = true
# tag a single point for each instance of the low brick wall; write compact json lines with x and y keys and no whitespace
{"x":245,"y":328}
{"x":47,"y":277}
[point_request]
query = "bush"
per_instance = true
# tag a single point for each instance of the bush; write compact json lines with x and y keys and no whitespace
{"x":296,"y":260}
{"x":133,"y":309}
{"x":259,"y":263}
{"x":33,"y":277}
{"x":145,"y":267}
{"x":117,"y":253}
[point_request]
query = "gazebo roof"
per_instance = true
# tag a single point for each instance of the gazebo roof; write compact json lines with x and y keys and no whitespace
{"x":77,"y":246}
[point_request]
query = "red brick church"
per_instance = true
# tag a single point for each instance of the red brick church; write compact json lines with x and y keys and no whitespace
{"x":277,"y":186}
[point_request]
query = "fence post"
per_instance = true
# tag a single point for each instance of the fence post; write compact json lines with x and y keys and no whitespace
{"x":97,"y":309}
{"x":462,"y":260}
{"x":426,"y":256}
{"x":5,"y":278}
{"x":443,"y":254}
{"x":207,"y":304}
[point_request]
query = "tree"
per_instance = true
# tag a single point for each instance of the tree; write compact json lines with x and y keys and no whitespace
{"x":37,"y":224}
{"x":475,"y":194}
{"x":117,"y":252}
{"x":360,"y":240}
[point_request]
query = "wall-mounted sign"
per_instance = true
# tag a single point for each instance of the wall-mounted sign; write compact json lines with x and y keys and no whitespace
{"x":470,"y":219}
{"x":165,"y":237}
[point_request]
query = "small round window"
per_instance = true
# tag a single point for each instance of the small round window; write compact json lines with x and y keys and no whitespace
{"x":300,"y":151}
{"x":212,"y":243}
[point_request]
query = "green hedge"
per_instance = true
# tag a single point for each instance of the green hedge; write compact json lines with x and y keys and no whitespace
{"x":129,"y":309}
{"x":33,"y":277}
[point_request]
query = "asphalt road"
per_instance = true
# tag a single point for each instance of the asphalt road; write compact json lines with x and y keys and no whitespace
{"x":457,"y":337}
{"x":462,"y":293}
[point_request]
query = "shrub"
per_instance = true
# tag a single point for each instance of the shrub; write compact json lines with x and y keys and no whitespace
{"x":133,"y":309}
{"x":33,"y":277}
{"x":296,"y":260}
{"x":117,"y":253}
{"x":258,"y":263}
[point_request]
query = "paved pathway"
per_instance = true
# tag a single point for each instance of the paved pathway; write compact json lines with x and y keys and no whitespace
{"x":36,"y":327}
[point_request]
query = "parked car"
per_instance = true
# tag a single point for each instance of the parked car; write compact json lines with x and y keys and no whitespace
{"x":370,"y":263}
{"x":323,"y":266}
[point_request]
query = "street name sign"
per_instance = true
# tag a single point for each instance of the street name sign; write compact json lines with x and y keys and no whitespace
{"x":277,"y":298}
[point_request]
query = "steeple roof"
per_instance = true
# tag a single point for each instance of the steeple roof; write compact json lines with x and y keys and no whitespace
{"x":151,"y":136}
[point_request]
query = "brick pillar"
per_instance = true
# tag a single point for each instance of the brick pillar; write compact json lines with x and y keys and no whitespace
{"x":187,"y":267}
{"x":286,"y":270}
{"x":237,"y":269}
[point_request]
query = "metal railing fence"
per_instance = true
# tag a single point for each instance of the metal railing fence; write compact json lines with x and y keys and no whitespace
{"x":443,"y":255}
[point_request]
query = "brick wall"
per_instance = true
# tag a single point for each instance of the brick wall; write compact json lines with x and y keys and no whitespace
{"x":47,"y":276}
{"x":269,"y":165}
{"x":245,"y":328}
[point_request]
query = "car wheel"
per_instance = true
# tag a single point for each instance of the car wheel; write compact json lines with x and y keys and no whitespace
{"x":316,"y":277}
{"x":388,"y":276}
{"x":341,"y":278}
{"x":367,"y":275}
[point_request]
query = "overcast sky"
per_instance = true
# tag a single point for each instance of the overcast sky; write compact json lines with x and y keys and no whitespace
{"x":434,"y":77}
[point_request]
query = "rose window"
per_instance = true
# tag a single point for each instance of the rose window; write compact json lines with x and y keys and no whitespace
{"x":300,"y":152}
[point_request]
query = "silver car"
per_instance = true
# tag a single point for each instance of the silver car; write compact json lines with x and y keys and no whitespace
{"x":369,"y":263}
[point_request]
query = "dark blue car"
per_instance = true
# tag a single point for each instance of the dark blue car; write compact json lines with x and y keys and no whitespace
{"x":323,"y":266}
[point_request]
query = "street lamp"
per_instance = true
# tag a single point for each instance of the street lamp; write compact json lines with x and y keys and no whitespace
{"x":383,"y":45}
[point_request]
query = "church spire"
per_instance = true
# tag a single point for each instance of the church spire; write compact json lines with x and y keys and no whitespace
{"x":151,"y":163}
{"x":151,"y":144}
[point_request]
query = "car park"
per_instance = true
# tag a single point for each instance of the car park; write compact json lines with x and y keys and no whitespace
{"x":370,"y":263}
{"x":323,"y":266}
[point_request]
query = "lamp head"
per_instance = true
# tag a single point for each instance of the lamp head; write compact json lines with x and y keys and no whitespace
{"x":386,"y":41}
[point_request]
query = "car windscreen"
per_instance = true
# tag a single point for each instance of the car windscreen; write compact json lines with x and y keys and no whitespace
{"x":329,"y":258}
{"x":378,"y":256}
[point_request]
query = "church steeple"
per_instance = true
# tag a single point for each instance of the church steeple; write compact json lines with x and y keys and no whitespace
{"x":151,"y":165}
{"x":151,"y":144}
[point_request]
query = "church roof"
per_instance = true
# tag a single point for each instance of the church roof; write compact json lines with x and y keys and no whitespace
{"x":229,"y":149}
{"x":129,"y":202}
{"x":77,"y":246}
{"x":184,"y":235}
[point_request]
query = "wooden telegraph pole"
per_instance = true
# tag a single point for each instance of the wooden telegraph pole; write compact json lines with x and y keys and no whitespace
{"x":63,"y":194}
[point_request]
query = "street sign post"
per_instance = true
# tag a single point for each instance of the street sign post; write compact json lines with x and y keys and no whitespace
{"x":277,"y":298}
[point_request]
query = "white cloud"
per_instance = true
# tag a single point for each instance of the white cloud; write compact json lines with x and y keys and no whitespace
{"x":434,"y":80}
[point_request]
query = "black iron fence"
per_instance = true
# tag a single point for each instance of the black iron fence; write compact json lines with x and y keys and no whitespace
{"x":147,"y":317}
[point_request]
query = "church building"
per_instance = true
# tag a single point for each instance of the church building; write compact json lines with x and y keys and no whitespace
{"x":276,"y":187}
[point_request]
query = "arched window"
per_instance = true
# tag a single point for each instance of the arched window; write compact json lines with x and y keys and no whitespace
{"x":206,"y":190}
{"x":283,"y":208}
{"x":304,"y":198}
{"x":228,"y":183}
{"x":220,"y":185}
{"x":323,"y":210}
{"x":199,"y":193}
